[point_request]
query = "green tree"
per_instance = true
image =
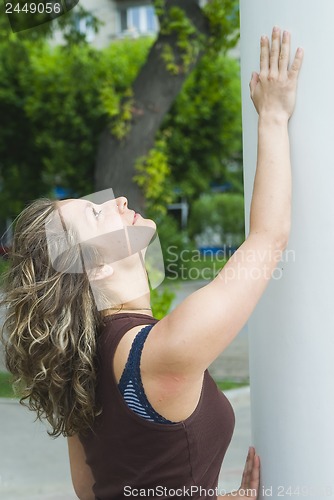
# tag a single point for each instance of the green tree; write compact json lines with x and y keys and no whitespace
{"x":56,"y":105}
{"x":222,"y":211}
{"x":58,"y":101}
{"x":199,"y":140}
{"x":187,"y":32}
{"x":24,"y":160}
{"x":203,"y":129}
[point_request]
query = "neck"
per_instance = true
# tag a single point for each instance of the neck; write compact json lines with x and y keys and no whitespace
{"x":109,"y":312}
{"x":142,"y":304}
{"x":127,"y":289}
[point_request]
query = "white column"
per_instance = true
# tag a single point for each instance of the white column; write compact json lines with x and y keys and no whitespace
{"x":291,"y":332}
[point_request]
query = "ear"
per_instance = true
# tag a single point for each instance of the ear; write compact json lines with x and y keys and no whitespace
{"x":100,"y":272}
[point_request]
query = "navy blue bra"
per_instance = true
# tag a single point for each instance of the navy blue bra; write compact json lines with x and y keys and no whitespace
{"x":130,"y":384}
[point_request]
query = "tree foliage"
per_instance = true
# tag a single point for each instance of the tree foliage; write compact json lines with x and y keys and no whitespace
{"x":200,"y":138}
{"x":55,"y":102}
{"x":203,"y":129}
{"x":55,"y":106}
{"x":201,"y":135}
{"x":219,"y":210}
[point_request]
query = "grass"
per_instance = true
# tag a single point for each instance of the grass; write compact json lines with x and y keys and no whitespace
{"x":4,"y":264}
{"x":225,"y":385}
{"x":7,"y":392}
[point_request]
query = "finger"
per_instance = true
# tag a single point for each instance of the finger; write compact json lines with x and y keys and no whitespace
{"x":274,"y":51}
{"x":264,"y":55}
{"x":296,"y":65}
{"x":248,"y":468}
{"x":245,"y":472}
{"x":254,"y":481}
{"x":253,"y":82}
{"x":284,"y":56}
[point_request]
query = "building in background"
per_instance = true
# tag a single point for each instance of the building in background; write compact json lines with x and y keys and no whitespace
{"x":120,"y":19}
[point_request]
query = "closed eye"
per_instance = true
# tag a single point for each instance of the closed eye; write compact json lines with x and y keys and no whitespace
{"x":96,"y":212}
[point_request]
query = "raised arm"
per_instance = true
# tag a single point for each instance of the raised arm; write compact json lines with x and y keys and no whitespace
{"x":273,"y":92}
{"x":194,"y":334}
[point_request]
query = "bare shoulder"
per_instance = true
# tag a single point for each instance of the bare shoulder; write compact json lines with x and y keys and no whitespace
{"x":173,"y":397}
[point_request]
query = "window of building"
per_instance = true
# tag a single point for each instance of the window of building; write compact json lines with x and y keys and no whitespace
{"x":138,"y":20}
{"x":83,"y":25}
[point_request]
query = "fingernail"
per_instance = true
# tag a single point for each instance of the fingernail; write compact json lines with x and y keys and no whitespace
{"x":300,"y":50}
{"x":285,"y":35}
{"x":275,"y":28}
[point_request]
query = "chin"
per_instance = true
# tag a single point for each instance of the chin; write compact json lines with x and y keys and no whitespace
{"x":150,"y":223}
{"x":146,"y":223}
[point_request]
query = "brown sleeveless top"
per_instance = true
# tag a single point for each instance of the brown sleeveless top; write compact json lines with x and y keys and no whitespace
{"x":130,"y":456}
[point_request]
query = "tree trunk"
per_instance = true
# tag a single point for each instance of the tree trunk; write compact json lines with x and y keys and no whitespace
{"x":154,"y":91}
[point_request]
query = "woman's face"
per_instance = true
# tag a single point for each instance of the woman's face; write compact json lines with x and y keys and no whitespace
{"x":92,"y":220}
{"x":111,"y":227}
{"x":121,"y":237}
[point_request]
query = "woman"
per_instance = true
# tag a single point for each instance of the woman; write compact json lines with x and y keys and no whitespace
{"x":133,"y":395}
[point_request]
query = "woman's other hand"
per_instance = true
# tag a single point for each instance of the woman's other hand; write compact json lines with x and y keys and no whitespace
{"x":250,"y":479}
{"x":273,"y":90}
{"x":251,"y":476}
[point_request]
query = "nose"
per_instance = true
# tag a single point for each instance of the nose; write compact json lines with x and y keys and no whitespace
{"x":122,"y":203}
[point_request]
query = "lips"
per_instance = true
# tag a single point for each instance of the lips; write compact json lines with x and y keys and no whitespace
{"x":135,"y":216}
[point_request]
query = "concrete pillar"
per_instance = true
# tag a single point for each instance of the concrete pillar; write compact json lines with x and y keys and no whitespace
{"x":291,"y":332}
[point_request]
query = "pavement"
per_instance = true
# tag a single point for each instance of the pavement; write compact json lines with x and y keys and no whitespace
{"x":34,"y":466}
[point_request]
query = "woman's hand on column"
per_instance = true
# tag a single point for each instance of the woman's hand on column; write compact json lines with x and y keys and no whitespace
{"x":250,"y":479}
{"x":251,"y":476}
{"x":273,"y":90}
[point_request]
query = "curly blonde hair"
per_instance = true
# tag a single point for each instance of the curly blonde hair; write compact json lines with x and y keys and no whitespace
{"x":51,"y":325}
